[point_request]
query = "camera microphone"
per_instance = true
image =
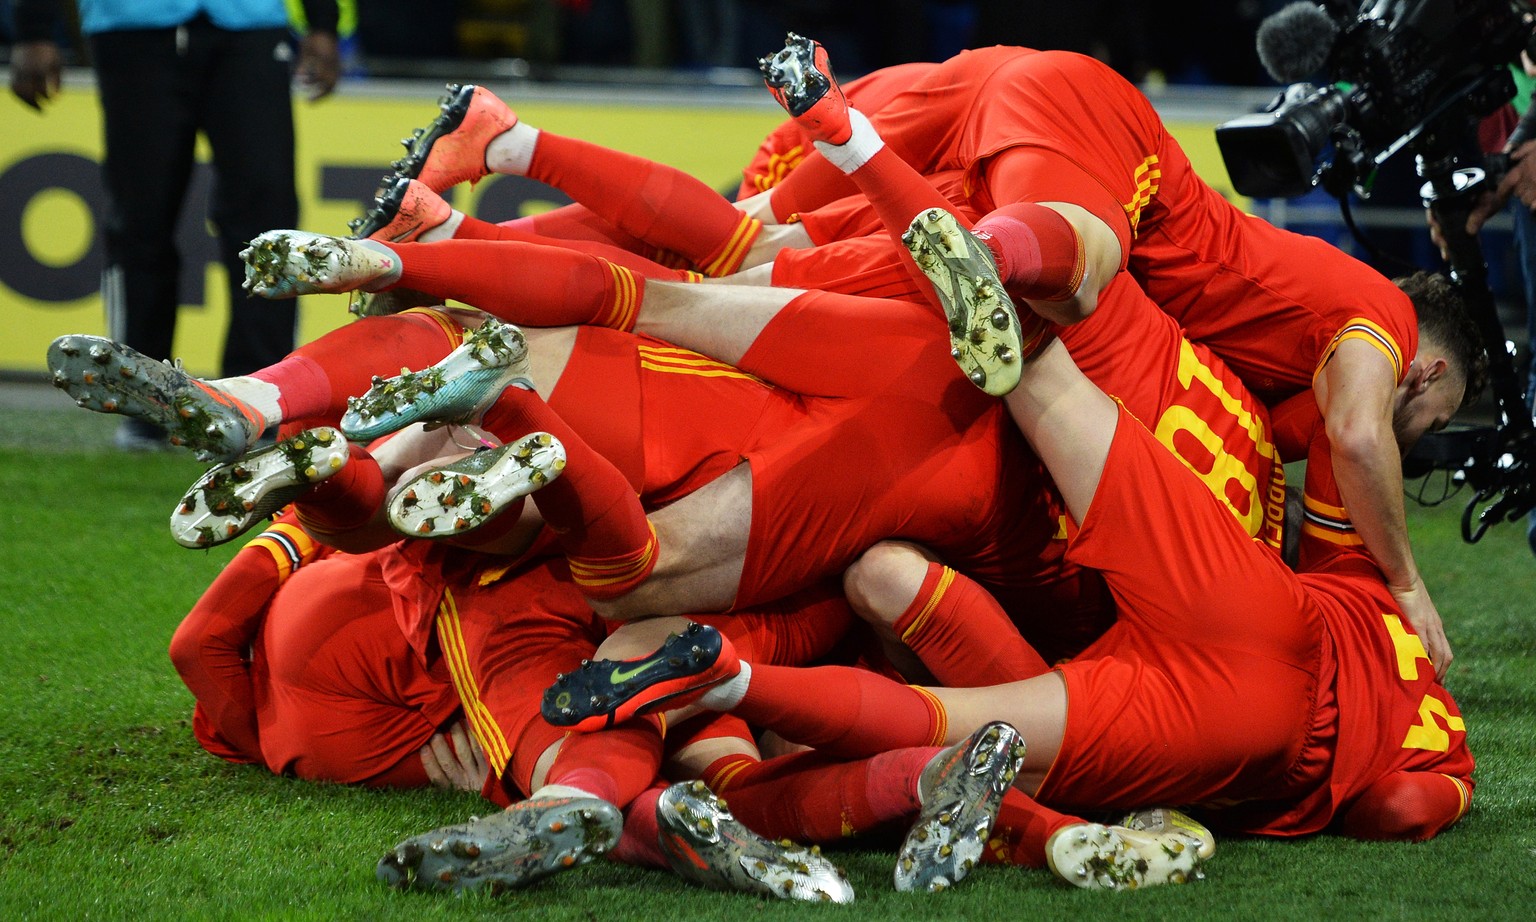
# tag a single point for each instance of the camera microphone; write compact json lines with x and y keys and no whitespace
{"x":1294,"y":43}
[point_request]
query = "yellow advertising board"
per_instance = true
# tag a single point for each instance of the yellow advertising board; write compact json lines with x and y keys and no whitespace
{"x":51,"y":195}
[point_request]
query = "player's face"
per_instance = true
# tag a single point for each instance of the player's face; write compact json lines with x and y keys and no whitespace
{"x":1429,"y":410}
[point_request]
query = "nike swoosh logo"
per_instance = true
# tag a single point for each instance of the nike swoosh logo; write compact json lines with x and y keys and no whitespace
{"x":624,"y":675}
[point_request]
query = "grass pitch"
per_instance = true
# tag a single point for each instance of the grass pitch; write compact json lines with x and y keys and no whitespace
{"x":109,"y":809}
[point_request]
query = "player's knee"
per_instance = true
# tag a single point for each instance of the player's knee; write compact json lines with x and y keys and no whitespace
{"x":619,"y":609}
{"x":884,"y":580}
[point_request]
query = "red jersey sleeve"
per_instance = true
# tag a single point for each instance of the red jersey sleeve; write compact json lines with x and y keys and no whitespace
{"x":211,"y":647}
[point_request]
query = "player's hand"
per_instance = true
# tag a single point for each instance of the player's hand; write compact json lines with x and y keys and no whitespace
{"x":1519,"y":181}
{"x":319,"y":64}
{"x":454,"y":760}
{"x":1421,"y":613}
{"x":35,"y":71}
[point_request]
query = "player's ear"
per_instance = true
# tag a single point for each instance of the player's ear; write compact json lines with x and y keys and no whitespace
{"x":1430,"y":372}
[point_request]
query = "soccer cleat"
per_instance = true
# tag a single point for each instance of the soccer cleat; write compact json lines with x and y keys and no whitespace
{"x":288,"y":263}
{"x":984,"y":333}
{"x":402,"y":211}
{"x":528,"y":841}
{"x":451,"y":150}
{"x":231,"y":498}
{"x":465,"y":494}
{"x":601,"y":693}
{"x":1097,"y":857}
{"x":391,"y":301}
{"x":1157,"y":821}
{"x":109,"y":377}
{"x":962,"y":790}
{"x":800,"y":79}
{"x":457,"y":389}
{"x":705,"y":844}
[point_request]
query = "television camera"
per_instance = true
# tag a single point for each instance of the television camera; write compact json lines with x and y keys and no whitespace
{"x":1411,"y":76}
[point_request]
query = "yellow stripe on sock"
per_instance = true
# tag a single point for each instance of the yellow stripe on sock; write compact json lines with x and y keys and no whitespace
{"x":736,"y":247}
{"x":940,"y":716}
{"x":946,"y":577}
{"x":625,"y":305}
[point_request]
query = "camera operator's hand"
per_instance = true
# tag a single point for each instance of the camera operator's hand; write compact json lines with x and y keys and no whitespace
{"x":1519,"y":183}
{"x":1420,"y":611}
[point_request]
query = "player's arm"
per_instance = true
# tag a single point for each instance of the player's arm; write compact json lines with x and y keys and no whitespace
{"x":211,"y":647}
{"x":1356,"y":393}
{"x":1407,"y":806}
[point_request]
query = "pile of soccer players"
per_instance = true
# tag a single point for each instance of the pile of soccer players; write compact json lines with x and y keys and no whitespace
{"x":934,"y":485}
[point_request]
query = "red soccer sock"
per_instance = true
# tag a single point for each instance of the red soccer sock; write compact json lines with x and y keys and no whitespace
{"x":651,"y":201}
{"x":1039,"y":254}
{"x":810,"y":797}
{"x":1022,"y":829}
{"x":639,"y":844}
{"x":812,"y":184}
{"x":797,"y":629}
{"x":873,"y":714}
{"x":475,"y":229}
{"x":615,"y":765}
{"x":594,"y":511}
{"x":542,"y":286}
{"x":346,"y":500}
{"x":963,"y":636}
{"x":315,"y":381}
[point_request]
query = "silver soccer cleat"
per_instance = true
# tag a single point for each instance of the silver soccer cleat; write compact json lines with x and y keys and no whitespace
{"x":705,"y":844}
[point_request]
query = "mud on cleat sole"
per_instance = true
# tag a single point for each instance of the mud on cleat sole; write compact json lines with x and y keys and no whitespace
{"x":601,"y":693}
{"x":465,"y":494}
{"x":984,"y":333}
{"x":1097,"y":857}
{"x":705,"y":844}
{"x":231,"y":498}
{"x":457,"y":389}
{"x":108,"y":377}
{"x":962,"y":792}
{"x":281,"y":264}
{"x":528,"y":841}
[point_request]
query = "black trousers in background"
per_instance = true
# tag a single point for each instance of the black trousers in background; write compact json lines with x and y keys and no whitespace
{"x":159,"y":88}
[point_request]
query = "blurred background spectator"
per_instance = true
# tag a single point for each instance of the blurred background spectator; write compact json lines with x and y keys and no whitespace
{"x":1143,"y":43}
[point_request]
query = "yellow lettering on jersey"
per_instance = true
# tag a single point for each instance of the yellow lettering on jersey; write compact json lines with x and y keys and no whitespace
{"x":1427,"y":734}
{"x":1191,"y":369}
{"x":1410,"y":649}
{"x":1225,"y":468}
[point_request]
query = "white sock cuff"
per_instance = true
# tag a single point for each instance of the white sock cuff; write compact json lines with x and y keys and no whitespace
{"x":862,"y":145}
{"x":559,"y":790}
{"x":511,"y":152}
{"x":729,"y":693}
